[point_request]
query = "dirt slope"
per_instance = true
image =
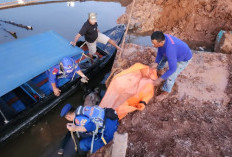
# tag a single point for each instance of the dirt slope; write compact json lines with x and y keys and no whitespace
{"x":196,"y":21}
{"x":195,"y":120}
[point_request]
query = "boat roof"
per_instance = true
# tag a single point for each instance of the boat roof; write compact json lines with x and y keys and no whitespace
{"x":24,"y":59}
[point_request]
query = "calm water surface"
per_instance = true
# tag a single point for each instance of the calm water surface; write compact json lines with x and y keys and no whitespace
{"x":43,"y":138}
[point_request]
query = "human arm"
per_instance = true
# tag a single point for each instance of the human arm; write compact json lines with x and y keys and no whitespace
{"x":87,"y":127}
{"x":158,"y":81}
{"x":72,"y":127}
{"x":158,"y":57}
{"x":73,"y":43}
{"x":81,"y":33}
{"x":114,"y":44}
{"x":53,"y":79}
{"x":84,"y":78}
{"x":56,"y":90}
{"x":172,"y":63}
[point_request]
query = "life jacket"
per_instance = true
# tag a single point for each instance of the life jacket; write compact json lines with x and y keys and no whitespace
{"x":98,"y":116}
{"x":63,"y":73}
{"x":95,"y":113}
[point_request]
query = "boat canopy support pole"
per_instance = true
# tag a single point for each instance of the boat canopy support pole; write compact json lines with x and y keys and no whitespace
{"x":5,"y":107}
{"x":30,"y":88}
{"x":36,"y":89}
{"x":5,"y":120}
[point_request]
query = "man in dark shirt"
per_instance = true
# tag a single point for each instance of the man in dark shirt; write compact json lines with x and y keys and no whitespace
{"x":176,"y":53}
{"x":92,"y":35}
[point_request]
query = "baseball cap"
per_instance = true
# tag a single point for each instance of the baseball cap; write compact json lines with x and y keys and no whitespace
{"x":65,"y":110}
{"x":93,"y":17}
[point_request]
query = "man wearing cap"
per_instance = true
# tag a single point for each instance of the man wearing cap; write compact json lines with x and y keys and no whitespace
{"x":92,"y":35}
{"x":66,"y":70}
{"x":84,"y":125}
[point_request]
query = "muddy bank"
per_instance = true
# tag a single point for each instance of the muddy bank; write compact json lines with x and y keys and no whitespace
{"x":196,"y":22}
{"x":195,"y":120}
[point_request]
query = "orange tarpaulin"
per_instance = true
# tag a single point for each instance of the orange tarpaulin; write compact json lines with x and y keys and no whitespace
{"x":128,"y":88}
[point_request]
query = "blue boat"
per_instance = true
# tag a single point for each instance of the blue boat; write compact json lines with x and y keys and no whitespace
{"x":25,"y":95}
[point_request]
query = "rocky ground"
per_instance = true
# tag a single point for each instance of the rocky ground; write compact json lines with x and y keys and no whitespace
{"x":196,"y":21}
{"x":195,"y":120}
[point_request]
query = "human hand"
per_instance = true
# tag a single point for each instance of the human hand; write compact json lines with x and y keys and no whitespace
{"x":73,"y":43}
{"x":56,"y":91}
{"x":119,"y":49}
{"x":84,"y":79}
{"x":157,"y":82}
{"x":160,"y":72}
{"x":71,"y":127}
{"x":154,"y":65}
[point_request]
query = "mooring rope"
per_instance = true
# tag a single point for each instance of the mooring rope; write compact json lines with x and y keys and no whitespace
{"x":117,"y":69}
{"x":124,"y":37}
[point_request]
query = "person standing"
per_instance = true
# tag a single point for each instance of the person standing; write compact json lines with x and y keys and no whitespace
{"x":174,"y":51}
{"x":92,"y":35}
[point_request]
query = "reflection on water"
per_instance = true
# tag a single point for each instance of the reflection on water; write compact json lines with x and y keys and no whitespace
{"x":44,"y":137}
{"x":138,"y":39}
{"x":59,"y":17}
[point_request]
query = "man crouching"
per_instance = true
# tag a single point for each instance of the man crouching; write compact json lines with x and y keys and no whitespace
{"x":95,"y":125}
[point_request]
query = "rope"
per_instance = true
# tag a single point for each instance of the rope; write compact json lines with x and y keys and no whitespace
{"x":118,"y":68}
{"x":113,"y":72}
{"x":74,"y":140}
{"x":124,"y":37}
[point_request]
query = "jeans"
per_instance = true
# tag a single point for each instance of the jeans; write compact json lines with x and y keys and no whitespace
{"x":169,"y":82}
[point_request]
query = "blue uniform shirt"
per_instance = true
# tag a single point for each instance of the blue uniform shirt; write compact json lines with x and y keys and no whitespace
{"x":110,"y":127}
{"x":174,"y":50}
{"x":55,"y":72}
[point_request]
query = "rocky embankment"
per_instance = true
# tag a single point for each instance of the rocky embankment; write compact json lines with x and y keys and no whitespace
{"x":196,"y":21}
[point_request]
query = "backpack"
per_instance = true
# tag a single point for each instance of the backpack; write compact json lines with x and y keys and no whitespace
{"x":97,"y":115}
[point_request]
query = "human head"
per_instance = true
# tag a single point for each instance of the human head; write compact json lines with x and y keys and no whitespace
{"x":158,"y":39}
{"x":92,"y":18}
{"x":68,"y":112}
{"x":67,"y":64}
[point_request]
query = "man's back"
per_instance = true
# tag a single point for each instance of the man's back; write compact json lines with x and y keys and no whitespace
{"x":175,"y":47}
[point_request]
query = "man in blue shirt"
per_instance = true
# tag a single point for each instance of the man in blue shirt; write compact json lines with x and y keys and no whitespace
{"x":176,"y":53}
{"x":66,"y":70}
{"x":84,"y":126}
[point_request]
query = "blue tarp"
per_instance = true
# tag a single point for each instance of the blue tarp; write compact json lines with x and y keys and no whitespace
{"x":23,"y":59}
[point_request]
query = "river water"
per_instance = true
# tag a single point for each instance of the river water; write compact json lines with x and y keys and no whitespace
{"x":43,"y":138}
